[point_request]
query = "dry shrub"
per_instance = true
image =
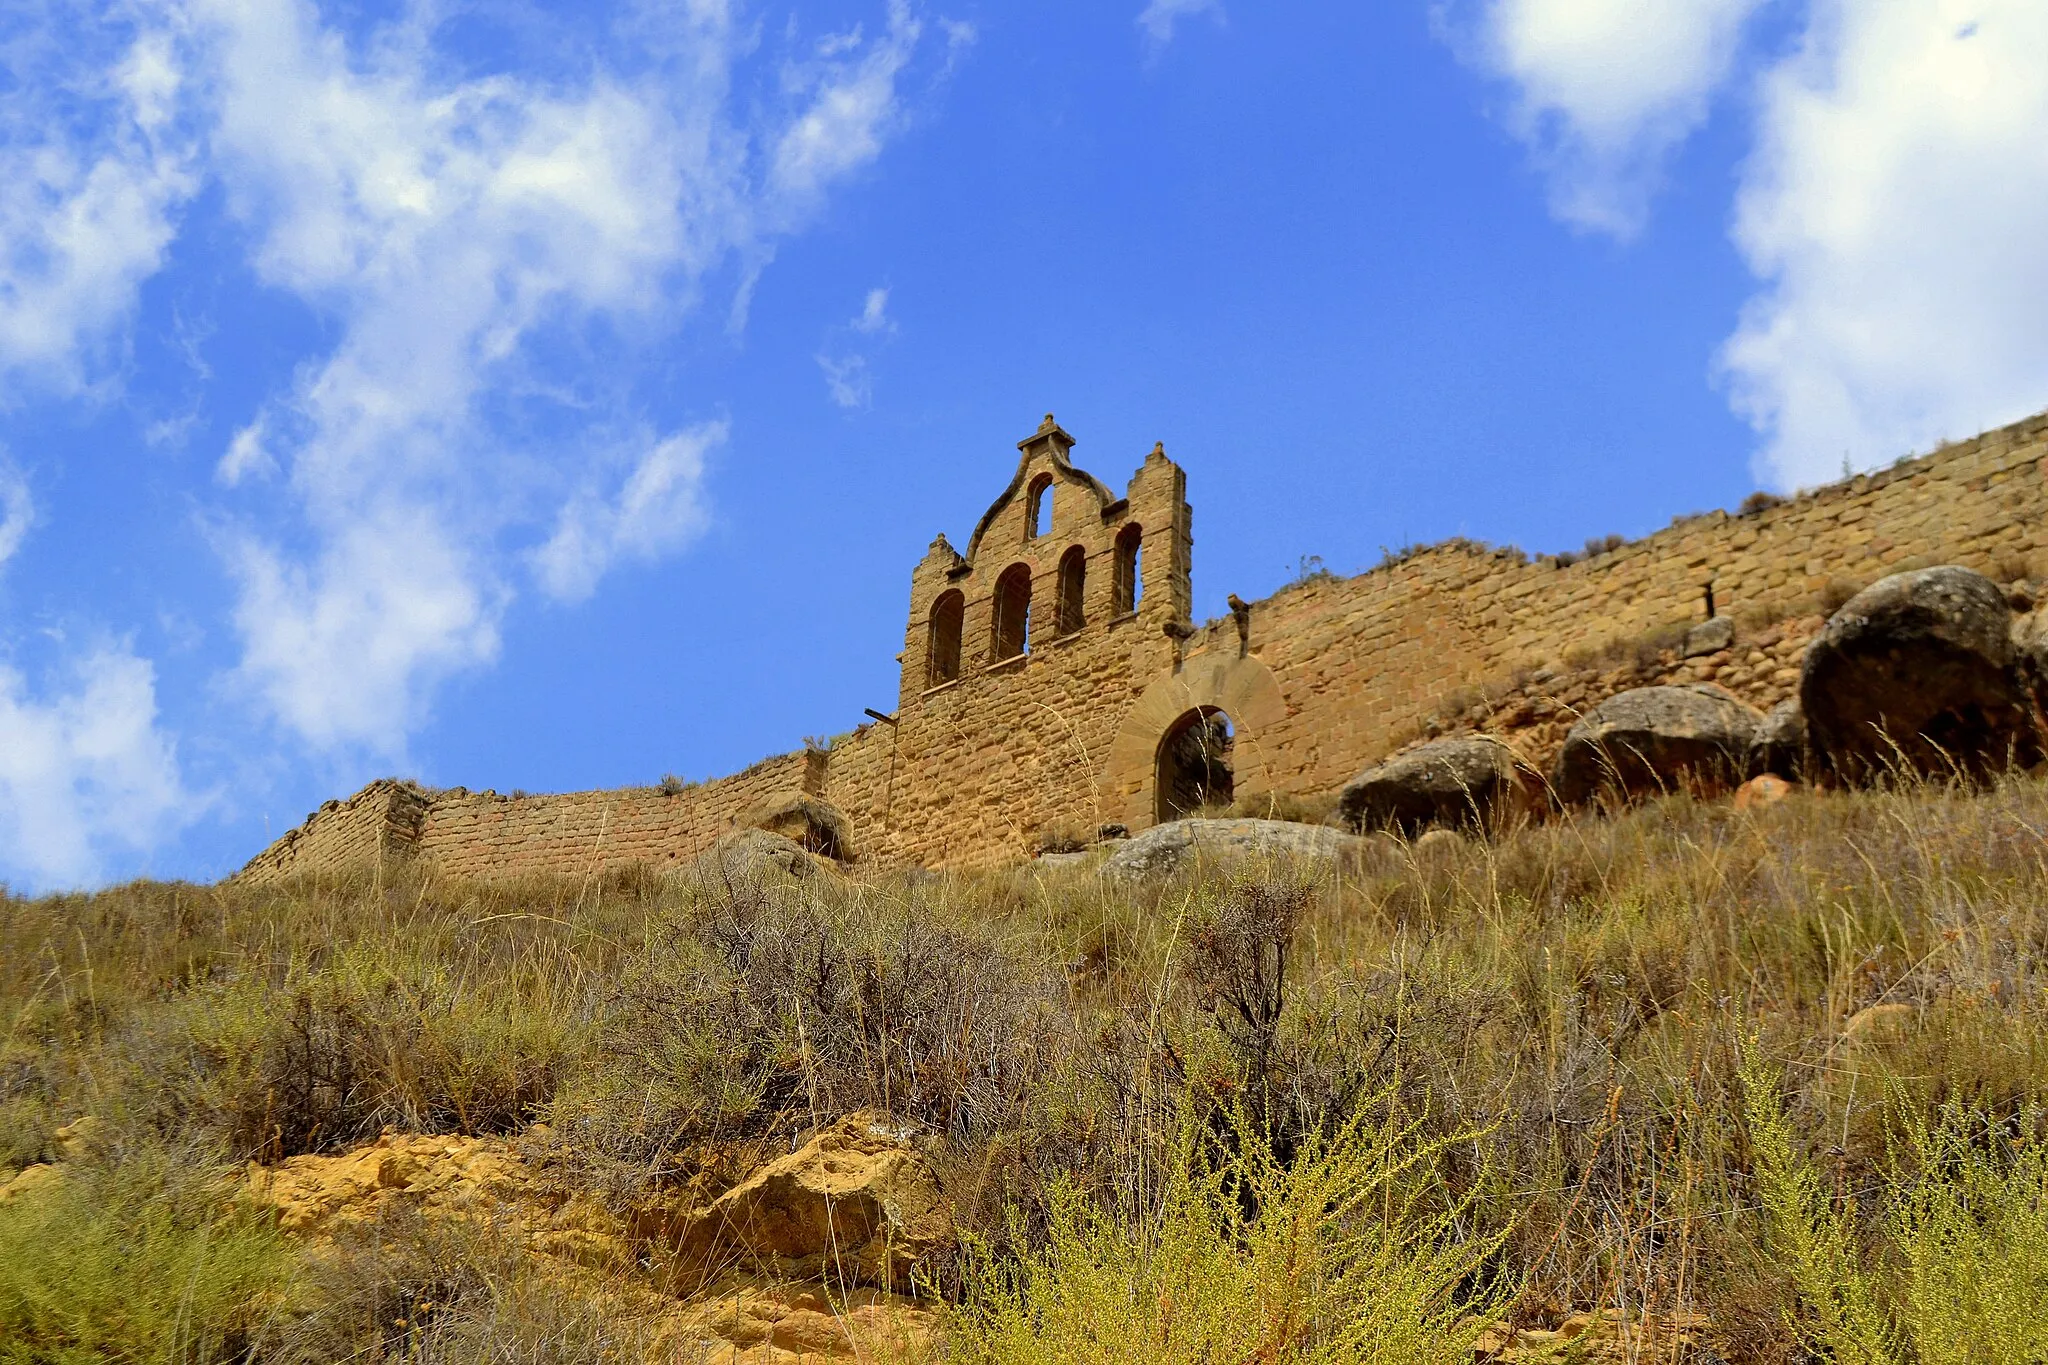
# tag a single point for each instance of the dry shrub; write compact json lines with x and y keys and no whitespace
{"x":765,"y":1010}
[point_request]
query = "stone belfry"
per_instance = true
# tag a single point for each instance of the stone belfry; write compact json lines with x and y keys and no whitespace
{"x":1057,"y":556}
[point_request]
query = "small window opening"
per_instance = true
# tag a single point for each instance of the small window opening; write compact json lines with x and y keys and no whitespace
{"x":943,"y":662}
{"x":1073,"y":588}
{"x":1010,"y":633}
{"x":1039,"y":508}
{"x":1195,"y":765}
{"x":1129,"y":582}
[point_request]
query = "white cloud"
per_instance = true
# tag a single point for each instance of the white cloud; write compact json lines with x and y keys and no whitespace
{"x":1604,"y":90}
{"x":847,"y":380}
{"x":852,"y":105}
{"x":874,"y":314}
{"x":1159,"y":17}
{"x":1897,"y":209}
{"x":658,"y":506}
{"x":86,"y":773}
{"x":17,"y":511}
{"x":92,"y":172}
{"x":452,"y":228}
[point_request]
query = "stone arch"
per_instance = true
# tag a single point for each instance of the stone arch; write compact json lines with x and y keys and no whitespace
{"x":1038,"y":508}
{"x":1243,"y":689}
{"x":943,"y":649}
{"x":1192,"y":770}
{"x":1125,"y":586}
{"x":1073,"y":590}
{"x":1010,"y":614}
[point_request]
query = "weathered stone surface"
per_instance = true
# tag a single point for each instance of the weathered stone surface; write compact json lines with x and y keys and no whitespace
{"x":857,"y":1204}
{"x":1709,"y":637}
{"x":818,"y":826}
{"x":1657,"y":739}
{"x":1450,"y":783}
{"x":1180,"y":845}
{"x":1779,"y":746}
{"x":1915,"y":672}
{"x":752,"y":857}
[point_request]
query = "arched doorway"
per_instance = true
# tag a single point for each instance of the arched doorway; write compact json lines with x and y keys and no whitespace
{"x":1194,"y":770}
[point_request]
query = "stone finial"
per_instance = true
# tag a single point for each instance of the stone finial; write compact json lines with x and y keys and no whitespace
{"x":1048,"y":424}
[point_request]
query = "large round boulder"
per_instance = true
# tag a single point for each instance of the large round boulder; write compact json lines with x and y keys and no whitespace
{"x":1184,"y":845}
{"x":816,"y":824}
{"x":753,"y":858}
{"x":1916,"y":674}
{"x":1649,"y":740}
{"x":1469,"y":782}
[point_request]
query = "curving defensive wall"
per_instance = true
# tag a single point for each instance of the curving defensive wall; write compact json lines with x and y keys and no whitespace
{"x":1051,"y":676}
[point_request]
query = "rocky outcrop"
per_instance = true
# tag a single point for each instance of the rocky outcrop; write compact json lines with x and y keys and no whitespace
{"x":1470,"y":782}
{"x":1648,"y":740}
{"x":815,"y":825}
{"x":857,"y":1204}
{"x":1182,"y":845}
{"x":1779,"y":746}
{"x":1917,"y":673}
{"x":753,"y":857}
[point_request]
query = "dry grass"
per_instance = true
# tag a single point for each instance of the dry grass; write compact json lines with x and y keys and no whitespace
{"x":1573,"y":1000}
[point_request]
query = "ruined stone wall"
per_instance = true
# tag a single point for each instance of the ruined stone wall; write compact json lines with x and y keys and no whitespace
{"x":1319,"y":680}
{"x":382,"y":820}
{"x":467,"y":833}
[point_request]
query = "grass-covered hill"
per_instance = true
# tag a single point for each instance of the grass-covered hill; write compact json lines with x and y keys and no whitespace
{"x":1772,"y":1077}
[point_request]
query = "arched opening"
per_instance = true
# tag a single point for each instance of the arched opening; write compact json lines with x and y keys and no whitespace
{"x":1194,"y":773}
{"x":1038,"y":508}
{"x":1128,"y":584}
{"x":1073,"y":585}
{"x":943,"y":658}
{"x":1010,"y":629}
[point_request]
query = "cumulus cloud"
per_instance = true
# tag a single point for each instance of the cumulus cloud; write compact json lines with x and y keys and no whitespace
{"x":1603,"y":90}
{"x":453,"y":228}
{"x":1896,"y":209}
{"x":86,"y":773}
{"x":1892,"y":208}
{"x":656,"y":507}
{"x":93,"y":169}
{"x":1159,"y":17}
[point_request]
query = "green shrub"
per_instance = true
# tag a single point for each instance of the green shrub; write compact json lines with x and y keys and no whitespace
{"x":147,"y":1262}
{"x":1964,"y":1214}
{"x":1332,"y":1258}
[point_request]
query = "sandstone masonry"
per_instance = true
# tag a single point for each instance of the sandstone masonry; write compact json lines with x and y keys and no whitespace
{"x":1050,"y":667}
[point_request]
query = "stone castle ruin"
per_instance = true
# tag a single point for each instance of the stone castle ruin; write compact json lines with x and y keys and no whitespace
{"x":1053,"y":679}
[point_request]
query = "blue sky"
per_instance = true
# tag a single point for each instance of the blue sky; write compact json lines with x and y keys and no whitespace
{"x":555,"y":396}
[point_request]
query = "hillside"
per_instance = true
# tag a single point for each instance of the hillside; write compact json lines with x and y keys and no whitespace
{"x":1551,"y":1026}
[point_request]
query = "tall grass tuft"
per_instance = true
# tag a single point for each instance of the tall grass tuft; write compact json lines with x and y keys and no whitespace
{"x":1338,"y":1256}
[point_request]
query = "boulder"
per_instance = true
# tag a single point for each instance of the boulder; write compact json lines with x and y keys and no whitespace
{"x":1779,"y":746}
{"x":1709,"y":637}
{"x":1178,"y":845}
{"x":1916,"y":673}
{"x":2030,"y":658}
{"x":1451,"y":783}
{"x":857,"y":1204}
{"x":753,"y":857}
{"x":1647,"y":740}
{"x":818,"y":826}
{"x":1765,"y":790}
